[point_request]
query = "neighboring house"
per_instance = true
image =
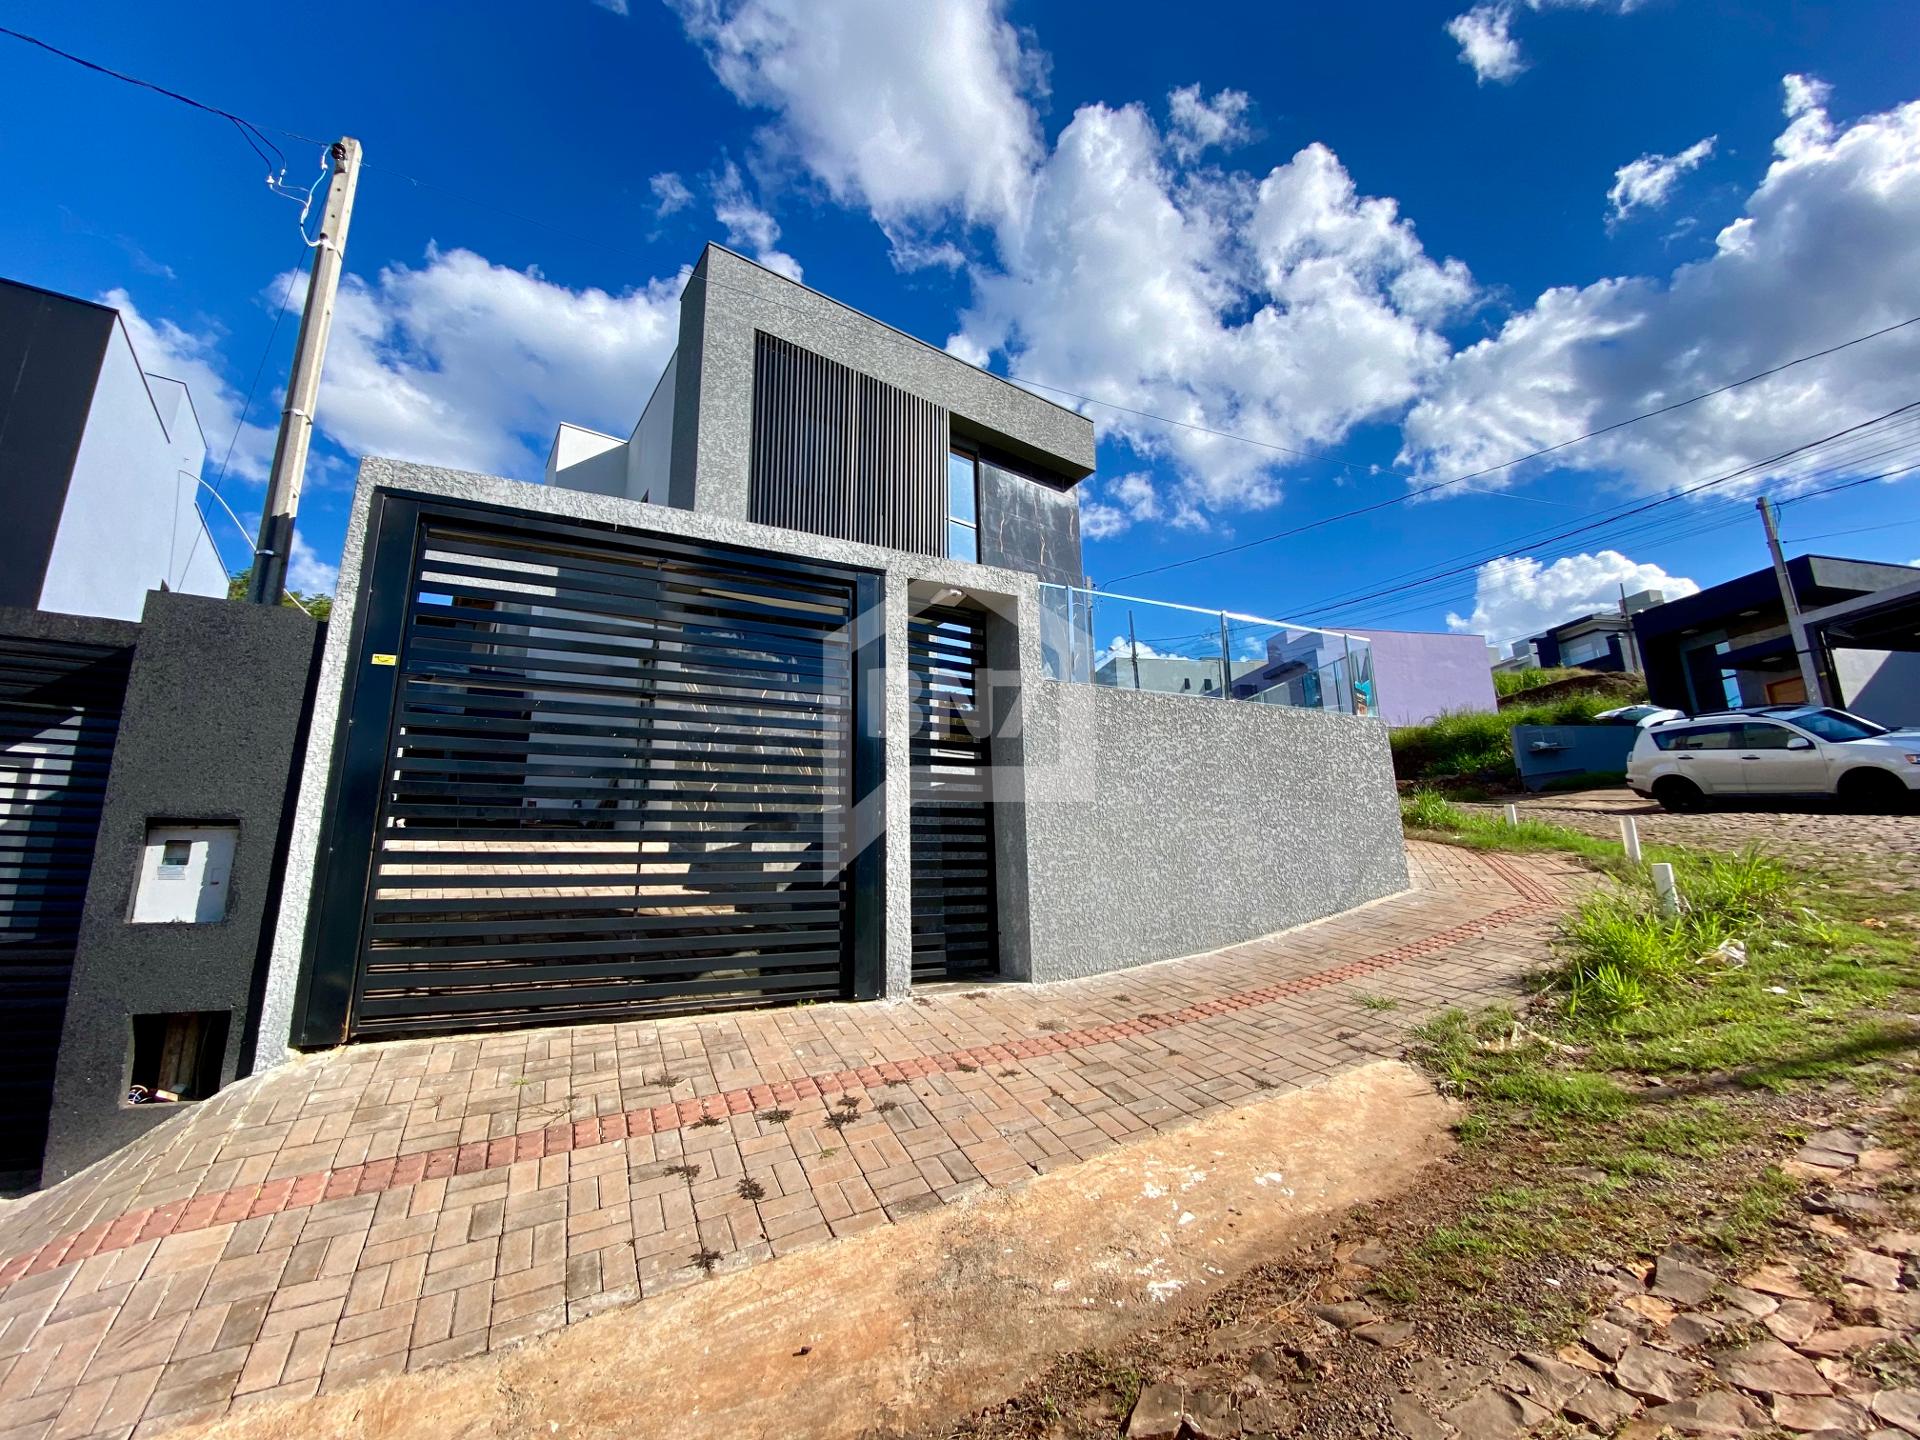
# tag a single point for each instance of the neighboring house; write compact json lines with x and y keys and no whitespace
{"x":99,"y":465}
{"x":1729,"y":644}
{"x":788,"y":696}
{"x":1168,"y":674}
{"x":1411,"y":676}
{"x":1600,"y":642}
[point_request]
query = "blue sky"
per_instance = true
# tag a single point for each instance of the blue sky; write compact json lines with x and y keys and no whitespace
{"x":1391,"y":244}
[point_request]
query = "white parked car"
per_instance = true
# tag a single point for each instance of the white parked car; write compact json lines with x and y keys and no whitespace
{"x":1776,"y":751}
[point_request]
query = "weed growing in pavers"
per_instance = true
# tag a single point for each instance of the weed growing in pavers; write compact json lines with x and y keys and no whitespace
{"x":1378,"y":1002}
{"x":884,"y":1106}
{"x":751,"y":1189}
{"x":705,"y":1122}
{"x":829,"y":1151}
{"x":706,"y":1259}
{"x":662,"y":1081}
{"x":840,"y":1119}
{"x":1008,"y":1073}
{"x":965,"y":1068}
{"x":848,"y":1102}
{"x":689,"y":1173}
{"x":775,"y":1116}
{"x":1052,"y":1025}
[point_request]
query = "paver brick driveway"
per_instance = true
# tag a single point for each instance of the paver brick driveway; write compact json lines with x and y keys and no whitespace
{"x":392,"y":1206}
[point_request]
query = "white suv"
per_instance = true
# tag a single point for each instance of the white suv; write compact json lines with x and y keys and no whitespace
{"x":1776,"y":750}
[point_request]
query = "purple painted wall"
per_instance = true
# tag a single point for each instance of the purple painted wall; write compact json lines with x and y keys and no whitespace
{"x":1419,"y":674}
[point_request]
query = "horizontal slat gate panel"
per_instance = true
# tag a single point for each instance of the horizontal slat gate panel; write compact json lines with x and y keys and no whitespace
{"x":616,"y":783}
{"x":954,"y":903}
{"x":60,"y":708}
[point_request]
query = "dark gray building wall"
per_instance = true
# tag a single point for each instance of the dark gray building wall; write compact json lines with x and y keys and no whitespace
{"x":214,"y":719}
{"x":51,"y":349}
{"x":1029,"y":525}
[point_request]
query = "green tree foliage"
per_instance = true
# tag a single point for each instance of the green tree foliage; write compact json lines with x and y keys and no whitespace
{"x":317,"y":605}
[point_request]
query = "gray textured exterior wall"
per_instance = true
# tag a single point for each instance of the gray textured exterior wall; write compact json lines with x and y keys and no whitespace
{"x":1207,"y":822}
{"x":214,"y":715}
{"x":1127,"y":827}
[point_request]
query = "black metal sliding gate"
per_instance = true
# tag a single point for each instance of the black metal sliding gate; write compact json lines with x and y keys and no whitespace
{"x":588,"y":773}
{"x":60,"y":704}
{"x":954,"y":930}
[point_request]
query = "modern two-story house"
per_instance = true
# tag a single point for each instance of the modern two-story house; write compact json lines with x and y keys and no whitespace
{"x":786,"y":696}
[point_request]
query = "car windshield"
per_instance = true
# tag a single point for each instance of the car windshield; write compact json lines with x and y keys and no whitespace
{"x":1837,"y":725}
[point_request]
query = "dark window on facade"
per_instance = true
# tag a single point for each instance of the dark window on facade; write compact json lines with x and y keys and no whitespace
{"x":963,"y":506}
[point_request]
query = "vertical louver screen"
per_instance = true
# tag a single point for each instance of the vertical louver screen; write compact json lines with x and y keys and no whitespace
{"x":59,"y":717}
{"x":954,"y":932}
{"x":839,"y":453}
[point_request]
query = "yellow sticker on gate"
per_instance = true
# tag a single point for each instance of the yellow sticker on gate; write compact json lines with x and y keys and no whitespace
{"x":382,"y":659}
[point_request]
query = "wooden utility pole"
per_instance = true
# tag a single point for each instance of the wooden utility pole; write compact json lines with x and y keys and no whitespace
{"x":275,"y":546}
{"x":1810,"y":675}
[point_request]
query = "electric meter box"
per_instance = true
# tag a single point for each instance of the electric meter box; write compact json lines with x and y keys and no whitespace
{"x":185,"y":871}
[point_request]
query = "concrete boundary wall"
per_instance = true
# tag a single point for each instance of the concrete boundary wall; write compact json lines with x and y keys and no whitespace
{"x":1207,"y":823}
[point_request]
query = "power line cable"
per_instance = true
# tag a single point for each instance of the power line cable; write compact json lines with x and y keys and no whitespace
{"x":1668,"y":499}
{"x":1494,"y":561}
{"x":249,"y":132}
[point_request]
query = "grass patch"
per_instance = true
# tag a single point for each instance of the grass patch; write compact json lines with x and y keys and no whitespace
{"x":1628,"y":1105}
{"x":1518,"y":682}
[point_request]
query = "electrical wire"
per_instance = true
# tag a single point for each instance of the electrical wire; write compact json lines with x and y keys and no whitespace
{"x":1668,"y":499}
{"x":249,"y":132}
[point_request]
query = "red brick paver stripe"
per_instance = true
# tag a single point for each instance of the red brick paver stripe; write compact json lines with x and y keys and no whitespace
{"x":275,"y":1196}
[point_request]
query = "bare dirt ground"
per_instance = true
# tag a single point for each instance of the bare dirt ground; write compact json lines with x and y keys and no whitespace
{"x":910,"y":1326}
{"x":1807,"y":1328}
{"x":1822,"y":838}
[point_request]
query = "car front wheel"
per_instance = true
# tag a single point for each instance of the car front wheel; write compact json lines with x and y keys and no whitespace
{"x":1874,"y":792}
{"x":1673,"y":793}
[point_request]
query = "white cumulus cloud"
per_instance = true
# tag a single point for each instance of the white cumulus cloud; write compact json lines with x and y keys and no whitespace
{"x":1515,"y":597}
{"x":468,"y":364}
{"x":748,"y":224}
{"x":1108,"y":507}
{"x":1823,"y":253}
{"x":907,"y":109}
{"x":1485,"y":33}
{"x":670,"y":192}
{"x":1645,"y":184}
{"x":307,"y":573}
{"x":1197,"y":124}
{"x":1485,"y":37}
{"x":1287,"y":307}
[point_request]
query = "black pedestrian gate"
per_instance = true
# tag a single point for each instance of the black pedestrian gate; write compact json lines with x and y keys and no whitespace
{"x":954,"y":929}
{"x":588,"y":773}
{"x":60,"y":704}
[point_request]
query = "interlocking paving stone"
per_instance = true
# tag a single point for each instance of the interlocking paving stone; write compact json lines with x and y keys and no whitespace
{"x":387,"y":1207}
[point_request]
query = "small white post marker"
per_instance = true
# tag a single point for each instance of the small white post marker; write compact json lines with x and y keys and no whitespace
{"x":1513,"y":814}
{"x":1630,"y":837}
{"x":1665,"y":891}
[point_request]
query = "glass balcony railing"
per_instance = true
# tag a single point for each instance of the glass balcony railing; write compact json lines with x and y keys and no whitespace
{"x":1093,"y":637}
